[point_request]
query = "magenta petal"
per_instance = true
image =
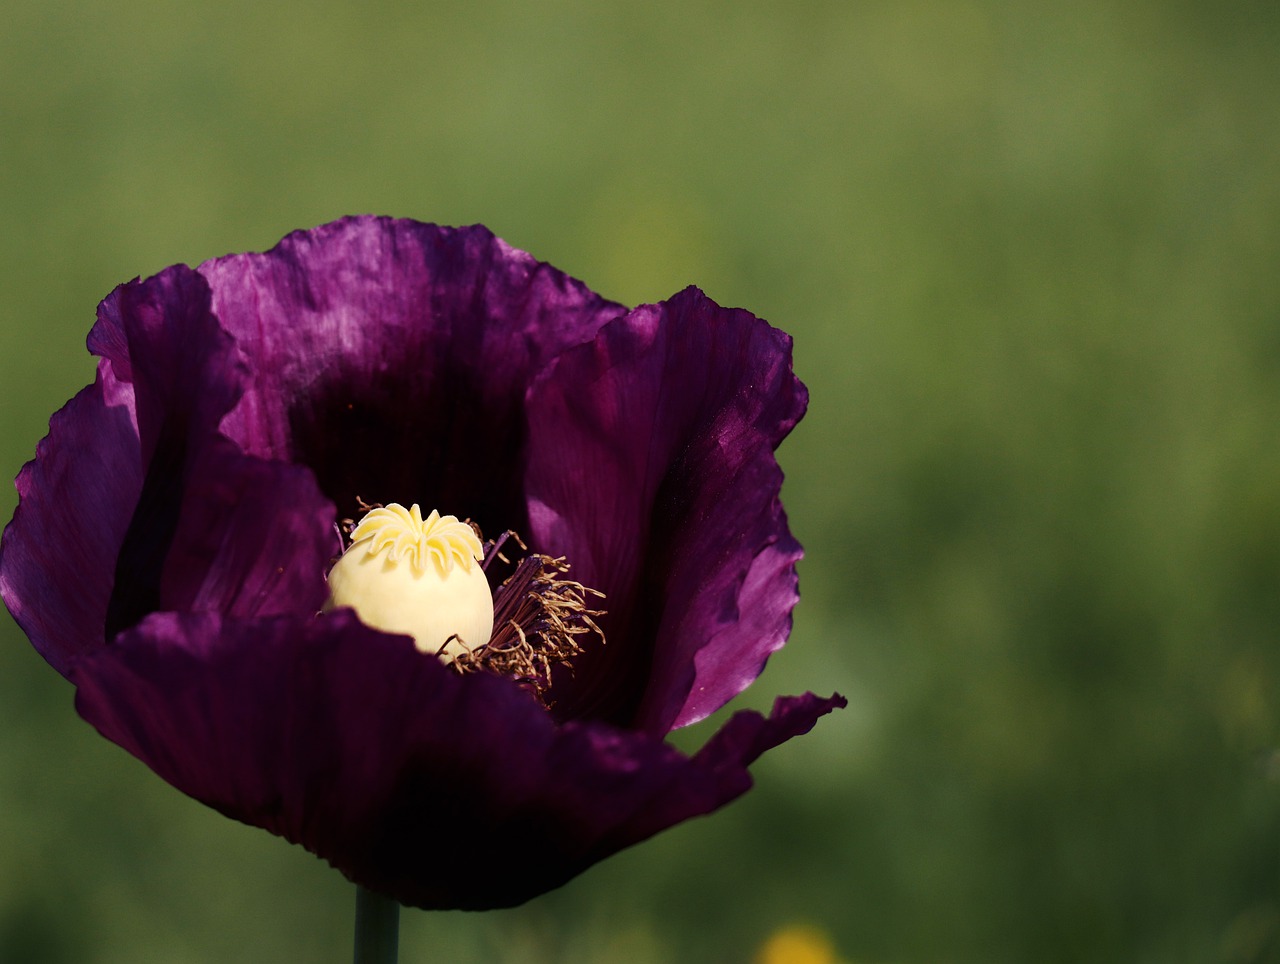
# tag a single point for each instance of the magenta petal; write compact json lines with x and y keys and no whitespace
{"x":169,"y":548}
{"x":254,"y":538}
{"x":651,"y":467}
{"x":717,"y":774}
{"x":214,"y":529}
{"x":242,"y":714}
{"x":161,"y":336}
{"x":438,"y":790}
{"x":748,"y":735}
{"x":135,"y":503}
{"x":76,"y":498}
{"x":392,"y":357}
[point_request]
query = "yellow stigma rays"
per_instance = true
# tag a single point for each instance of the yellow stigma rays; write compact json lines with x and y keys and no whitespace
{"x":442,"y":540}
{"x":416,"y":577}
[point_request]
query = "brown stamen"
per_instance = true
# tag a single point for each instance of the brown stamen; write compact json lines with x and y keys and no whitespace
{"x":541,"y":620}
{"x":346,"y":525}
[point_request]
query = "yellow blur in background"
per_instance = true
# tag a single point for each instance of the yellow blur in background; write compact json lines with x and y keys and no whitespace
{"x":798,"y":944}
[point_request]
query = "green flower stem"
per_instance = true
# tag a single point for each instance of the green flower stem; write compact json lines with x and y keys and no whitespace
{"x":377,"y":928}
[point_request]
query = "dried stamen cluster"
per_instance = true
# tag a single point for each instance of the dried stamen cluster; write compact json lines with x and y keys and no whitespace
{"x":541,"y":619}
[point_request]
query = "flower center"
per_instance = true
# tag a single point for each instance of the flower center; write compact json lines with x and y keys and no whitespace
{"x":420,"y":577}
{"x":430,"y":579}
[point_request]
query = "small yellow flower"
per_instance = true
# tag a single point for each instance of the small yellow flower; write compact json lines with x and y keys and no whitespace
{"x":797,"y":944}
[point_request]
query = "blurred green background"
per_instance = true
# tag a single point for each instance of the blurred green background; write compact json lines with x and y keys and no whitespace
{"x":1029,"y":254}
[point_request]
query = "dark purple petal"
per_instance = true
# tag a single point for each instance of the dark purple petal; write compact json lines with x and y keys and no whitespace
{"x":748,"y":735}
{"x":724,"y":759}
{"x":214,"y":528}
{"x":169,"y":548}
{"x":651,"y":468}
{"x":442,"y":791}
{"x":135,"y":503}
{"x":159,"y":336}
{"x":254,"y":538}
{"x":392,"y":358}
{"x":76,"y":498}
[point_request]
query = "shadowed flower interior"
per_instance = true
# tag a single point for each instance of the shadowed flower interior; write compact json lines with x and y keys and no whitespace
{"x":241,"y":407}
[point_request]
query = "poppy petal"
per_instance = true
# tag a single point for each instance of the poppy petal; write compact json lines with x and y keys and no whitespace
{"x":651,"y":468}
{"x":169,"y":548}
{"x":392,"y":357}
{"x":442,"y":791}
{"x":75,"y":500}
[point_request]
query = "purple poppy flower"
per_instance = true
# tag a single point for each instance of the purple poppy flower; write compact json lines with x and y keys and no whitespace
{"x":170,"y":549}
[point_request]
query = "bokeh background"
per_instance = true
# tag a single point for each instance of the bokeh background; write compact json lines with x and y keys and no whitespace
{"x":1029,"y":254}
